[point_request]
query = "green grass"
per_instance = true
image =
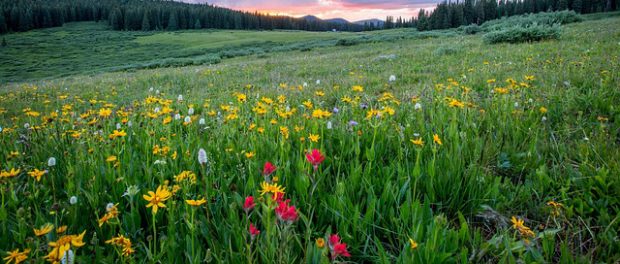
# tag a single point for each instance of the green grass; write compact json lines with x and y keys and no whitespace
{"x":554,"y":138}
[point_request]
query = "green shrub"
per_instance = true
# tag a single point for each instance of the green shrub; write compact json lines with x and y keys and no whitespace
{"x":347,"y":42}
{"x":544,"y":18}
{"x":445,"y":50}
{"x":518,"y":34}
{"x":470,"y":29}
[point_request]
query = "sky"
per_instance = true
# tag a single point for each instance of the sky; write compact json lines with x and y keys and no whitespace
{"x":352,"y":10}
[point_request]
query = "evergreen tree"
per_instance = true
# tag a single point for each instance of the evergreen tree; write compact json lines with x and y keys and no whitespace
{"x":197,"y":24}
{"x":146,"y":24}
{"x":3,"y":26}
{"x":172,"y":22}
{"x":3,"y":42}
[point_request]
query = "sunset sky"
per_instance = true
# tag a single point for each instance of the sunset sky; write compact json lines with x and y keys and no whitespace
{"x":351,"y":10}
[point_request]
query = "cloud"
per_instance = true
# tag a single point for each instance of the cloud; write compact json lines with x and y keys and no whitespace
{"x":351,"y":10}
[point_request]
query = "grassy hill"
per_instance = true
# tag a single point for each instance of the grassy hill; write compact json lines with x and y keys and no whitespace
{"x":472,"y":153}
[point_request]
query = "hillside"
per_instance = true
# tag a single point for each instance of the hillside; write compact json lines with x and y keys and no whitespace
{"x":395,"y":146}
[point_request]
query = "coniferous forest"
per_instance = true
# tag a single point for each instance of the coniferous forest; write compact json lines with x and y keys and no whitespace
{"x":146,"y":15}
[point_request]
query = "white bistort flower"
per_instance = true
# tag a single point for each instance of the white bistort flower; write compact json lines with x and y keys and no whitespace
{"x":51,"y":162}
{"x":202,"y":157}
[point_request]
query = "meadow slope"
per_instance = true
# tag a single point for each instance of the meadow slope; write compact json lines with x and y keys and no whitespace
{"x":470,"y":153}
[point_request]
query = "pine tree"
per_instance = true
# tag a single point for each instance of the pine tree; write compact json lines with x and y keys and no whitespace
{"x":3,"y":42}
{"x":197,"y":24}
{"x":146,"y":25}
{"x":172,"y":22}
{"x":3,"y":26}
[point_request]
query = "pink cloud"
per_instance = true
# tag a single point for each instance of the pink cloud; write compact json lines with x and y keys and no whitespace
{"x":351,"y":10}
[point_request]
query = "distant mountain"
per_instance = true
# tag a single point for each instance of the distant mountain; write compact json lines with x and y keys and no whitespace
{"x":376,"y":22}
{"x":337,"y":20}
{"x":312,"y":18}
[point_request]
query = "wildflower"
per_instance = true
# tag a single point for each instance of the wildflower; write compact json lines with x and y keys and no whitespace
{"x":111,"y":213}
{"x":202,"y":121}
{"x":357,"y":88}
{"x":519,"y":225}
{"x":315,"y":158}
{"x":392,"y":78}
{"x":37,"y":174}
{"x":314,"y":138}
{"x":268,"y":168}
{"x":61,"y":229}
{"x":16,"y":257}
{"x":556,"y":208}
{"x":320,"y":242}
{"x":456,"y":103}
{"x":105,"y":112}
{"x":51,"y":162}
{"x":44,"y":230}
{"x":116,"y":134}
{"x":337,"y":248}
{"x":418,"y":142}
{"x":412,"y":244}
{"x":250,"y":154}
{"x":73,"y":200}
{"x":196,"y":202}
{"x":284,"y":131}
{"x":286,"y":213}
{"x":329,"y":125}
{"x":11,"y":173}
{"x":63,"y":245}
{"x":319,"y":113}
{"x":248,"y":204}
{"x":253,"y":231}
{"x":156,"y":199}
{"x":202,"y":157}
{"x":543,"y":110}
{"x":437,"y":140}
{"x":187,"y":120}
{"x":111,"y":158}
{"x":124,"y":242}
{"x":272,"y":188}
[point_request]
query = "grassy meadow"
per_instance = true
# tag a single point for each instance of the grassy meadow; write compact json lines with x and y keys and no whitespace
{"x":429,"y":147}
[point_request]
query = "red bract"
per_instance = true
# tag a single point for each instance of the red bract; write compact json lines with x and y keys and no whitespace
{"x":268,"y":169}
{"x":337,"y":248}
{"x":315,"y":158}
{"x":277,"y":197}
{"x":286,"y":213}
{"x":340,"y":249}
{"x":248,"y":204}
{"x":253,"y":231}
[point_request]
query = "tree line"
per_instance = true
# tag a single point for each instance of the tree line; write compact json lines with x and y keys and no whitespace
{"x":24,"y":15}
{"x":455,"y":14}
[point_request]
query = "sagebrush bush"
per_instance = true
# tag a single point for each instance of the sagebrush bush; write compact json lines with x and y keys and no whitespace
{"x":470,"y":29}
{"x":518,"y":34}
{"x":544,"y":18}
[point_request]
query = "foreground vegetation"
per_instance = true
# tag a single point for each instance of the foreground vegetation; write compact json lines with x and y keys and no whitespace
{"x":438,"y":150}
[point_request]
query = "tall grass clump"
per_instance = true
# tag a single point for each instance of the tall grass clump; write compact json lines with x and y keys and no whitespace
{"x":519,"y":34}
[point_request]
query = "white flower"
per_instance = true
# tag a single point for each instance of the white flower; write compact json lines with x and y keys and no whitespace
{"x":109,"y":206}
{"x":417,"y":106}
{"x":73,"y":200}
{"x":305,"y":84}
{"x":180,"y":97}
{"x":202,"y":121}
{"x":544,"y":118}
{"x":160,"y":162}
{"x":416,"y":134}
{"x":190,"y":111}
{"x":318,"y":82}
{"x":156,"y":110}
{"x":118,"y":126}
{"x":51,"y":162}
{"x":68,"y":258}
{"x":26,"y":125}
{"x":151,"y":89}
{"x":202,"y":156}
{"x":177,"y":116}
{"x":187,"y":119}
{"x":131,"y":191}
{"x":0,"y":128}
{"x":392,"y":78}
{"x":129,"y":124}
{"x":329,"y":124}
{"x":516,"y":104}
{"x":157,"y":92}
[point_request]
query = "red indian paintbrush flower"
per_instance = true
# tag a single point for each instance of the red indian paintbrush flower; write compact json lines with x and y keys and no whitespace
{"x":268,"y":169}
{"x":315,"y":158}
{"x":253,"y":231}
{"x":248,"y":204}
{"x":286,"y":213}
{"x":337,"y":248}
